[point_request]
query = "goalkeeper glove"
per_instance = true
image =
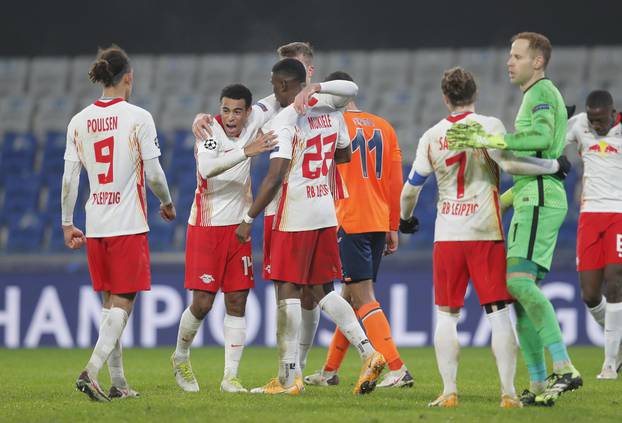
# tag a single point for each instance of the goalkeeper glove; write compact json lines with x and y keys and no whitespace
{"x":472,"y":135}
{"x":564,"y":168}
{"x":409,"y":226}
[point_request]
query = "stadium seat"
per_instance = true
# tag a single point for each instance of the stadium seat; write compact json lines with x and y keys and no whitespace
{"x":179,"y":110}
{"x":430,"y":64}
{"x":53,"y":113}
{"x":18,"y":154}
{"x":483,"y":63}
{"x":25,"y":234}
{"x":16,"y":113}
{"x":354,"y":62}
{"x":144,"y":68}
{"x":48,"y":75}
{"x":176,"y":74}
{"x":390,"y":68}
{"x":215,"y":72}
{"x":79,"y":83}
{"x":13,"y":75}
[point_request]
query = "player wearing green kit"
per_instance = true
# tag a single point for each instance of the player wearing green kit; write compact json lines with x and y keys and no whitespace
{"x":539,"y":210}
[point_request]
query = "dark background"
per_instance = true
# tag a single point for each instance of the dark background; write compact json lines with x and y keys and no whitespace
{"x":77,"y":27}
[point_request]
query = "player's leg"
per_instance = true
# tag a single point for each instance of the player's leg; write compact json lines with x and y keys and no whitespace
{"x":341,"y":313}
{"x":234,"y":332}
{"x":189,"y":325}
{"x":288,"y":331}
{"x":592,"y":294}
{"x":591,"y":264}
{"x":495,"y":299}
{"x":532,"y":242}
{"x":337,"y":350}
{"x":119,"y":265}
{"x":370,"y":312}
{"x":109,"y":335}
{"x":119,"y":388}
{"x":612,"y":252}
{"x":613,"y":322}
{"x":450,"y":284}
{"x":309,"y":323}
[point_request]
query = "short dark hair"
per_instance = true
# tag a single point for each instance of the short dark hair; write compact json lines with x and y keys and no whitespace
{"x":296,"y":48}
{"x":537,"y":42}
{"x":238,"y":92}
{"x":599,"y":98}
{"x":291,"y":68}
{"x":110,"y":65}
{"x":459,"y":86}
{"x":338,"y":76}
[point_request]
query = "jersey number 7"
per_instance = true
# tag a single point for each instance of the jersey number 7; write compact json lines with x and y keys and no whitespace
{"x":104,"y":153}
{"x":461,"y":159}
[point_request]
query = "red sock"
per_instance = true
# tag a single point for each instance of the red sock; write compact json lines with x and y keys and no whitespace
{"x":379,"y":332}
{"x":337,"y":351}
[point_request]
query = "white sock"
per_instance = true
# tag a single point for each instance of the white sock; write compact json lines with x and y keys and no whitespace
{"x":288,"y":319}
{"x":598,"y":312}
{"x":613,"y":333}
{"x":310,"y":320}
{"x":504,"y":348}
{"x":188,"y":327}
{"x":235,"y":338}
{"x":109,"y":334}
{"x":115,"y":361}
{"x":447,"y":349}
{"x":341,"y":313}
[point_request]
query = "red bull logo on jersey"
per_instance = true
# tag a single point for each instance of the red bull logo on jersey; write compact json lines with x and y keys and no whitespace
{"x":603,"y":148}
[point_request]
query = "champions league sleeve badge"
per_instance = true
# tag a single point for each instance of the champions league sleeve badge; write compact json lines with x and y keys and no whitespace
{"x":210,"y":144}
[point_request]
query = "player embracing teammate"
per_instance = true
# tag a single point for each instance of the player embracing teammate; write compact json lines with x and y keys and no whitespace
{"x":468,"y":236}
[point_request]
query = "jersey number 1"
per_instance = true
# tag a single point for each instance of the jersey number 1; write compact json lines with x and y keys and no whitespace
{"x":461,"y":159}
{"x":105,"y":157}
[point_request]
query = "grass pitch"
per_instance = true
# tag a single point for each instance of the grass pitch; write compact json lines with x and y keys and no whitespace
{"x":38,"y":385}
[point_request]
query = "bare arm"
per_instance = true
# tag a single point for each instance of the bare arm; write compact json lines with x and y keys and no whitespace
{"x":343,"y":155}
{"x":267,"y":191}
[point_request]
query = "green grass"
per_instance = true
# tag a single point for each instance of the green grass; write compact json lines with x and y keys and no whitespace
{"x":38,"y":385}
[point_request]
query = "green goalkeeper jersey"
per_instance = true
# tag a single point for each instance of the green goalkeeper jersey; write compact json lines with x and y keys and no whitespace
{"x":540,"y":132}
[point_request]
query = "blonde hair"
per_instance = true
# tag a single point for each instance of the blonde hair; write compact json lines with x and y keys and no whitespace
{"x":537,"y":42}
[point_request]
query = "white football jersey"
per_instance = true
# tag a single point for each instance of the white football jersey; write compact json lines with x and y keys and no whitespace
{"x":330,"y":100}
{"x":111,"y":139}
{"x":309,"y":141}
{"x":602,"y":164}
{"x":225,"y":199}
{"x":468,"y":180}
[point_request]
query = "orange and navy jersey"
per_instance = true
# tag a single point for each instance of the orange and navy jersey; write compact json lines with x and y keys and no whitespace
{"x":372,"y":180}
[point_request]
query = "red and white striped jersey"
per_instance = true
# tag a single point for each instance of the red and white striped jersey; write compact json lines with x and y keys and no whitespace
{"x":224,"y":199}
{"x":309,"y":140}
{"x":468,"y":180}
{"x":111,"y":139}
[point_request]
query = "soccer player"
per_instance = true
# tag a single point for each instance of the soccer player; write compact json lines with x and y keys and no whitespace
{"x":303,"y":52}
{"x":468,"y":237}
{"x":539,"y":209}
{"x":368,"y":221}
{"x":215,"y":260}
{"x":598,"y":136}
{"x":117,"y":144}
{"x":304,"y":248}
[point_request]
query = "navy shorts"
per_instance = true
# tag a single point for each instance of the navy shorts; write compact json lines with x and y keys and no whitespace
{"x":361,"y":254}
